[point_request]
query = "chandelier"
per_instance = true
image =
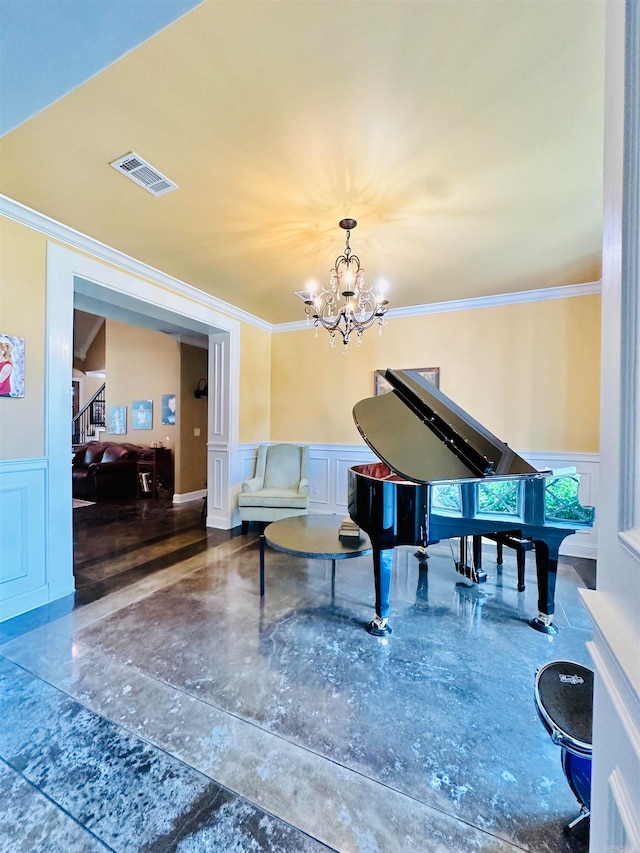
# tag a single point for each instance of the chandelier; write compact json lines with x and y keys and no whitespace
{"x":346,"y":305}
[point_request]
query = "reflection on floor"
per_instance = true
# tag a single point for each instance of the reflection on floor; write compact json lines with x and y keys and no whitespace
{"x":173,"y":710}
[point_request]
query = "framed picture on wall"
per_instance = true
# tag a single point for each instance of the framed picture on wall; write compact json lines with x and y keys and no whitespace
{"x":142,"y":414}
{"x":168,"y":409}
{"x":431,"y":374}
{"x":117,"y":420}
{"x":11,"y":366}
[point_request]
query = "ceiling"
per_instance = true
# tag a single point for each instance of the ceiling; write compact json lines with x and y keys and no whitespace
{"x":465,"y":136}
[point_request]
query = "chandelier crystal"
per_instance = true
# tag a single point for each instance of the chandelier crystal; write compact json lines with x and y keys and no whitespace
{"x":346,"y":305}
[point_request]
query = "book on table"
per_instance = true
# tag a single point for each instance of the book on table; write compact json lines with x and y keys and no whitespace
{"x":349,"y":530}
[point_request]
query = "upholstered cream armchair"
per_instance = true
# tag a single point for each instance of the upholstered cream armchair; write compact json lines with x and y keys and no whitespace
{"x":280,"y":487}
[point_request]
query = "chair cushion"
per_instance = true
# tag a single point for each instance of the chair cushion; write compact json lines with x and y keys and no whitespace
{"x":274,"y":498}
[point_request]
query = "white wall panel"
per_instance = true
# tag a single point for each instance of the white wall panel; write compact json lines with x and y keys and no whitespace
{"x":328,"y":478}
{"x":23,"y":577}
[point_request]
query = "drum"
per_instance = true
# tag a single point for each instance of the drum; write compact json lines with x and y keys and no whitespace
{"x":564,"y":701}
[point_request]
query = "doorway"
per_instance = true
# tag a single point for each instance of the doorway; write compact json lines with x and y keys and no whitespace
{"x":155,"y":299}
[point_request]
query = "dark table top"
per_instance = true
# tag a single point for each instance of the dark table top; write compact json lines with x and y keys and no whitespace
{"x":314,"y":536}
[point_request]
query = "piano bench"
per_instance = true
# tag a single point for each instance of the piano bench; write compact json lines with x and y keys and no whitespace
{"x":520,"y":546}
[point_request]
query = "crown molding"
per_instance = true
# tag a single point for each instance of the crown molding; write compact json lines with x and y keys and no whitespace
{"x":540,"y":295}
{"x":57,"y":231}
{"x":82,"y":242}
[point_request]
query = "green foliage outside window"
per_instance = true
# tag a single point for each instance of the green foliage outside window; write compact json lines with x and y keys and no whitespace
{"x":500,"y":497}
{"x":561,"y":500}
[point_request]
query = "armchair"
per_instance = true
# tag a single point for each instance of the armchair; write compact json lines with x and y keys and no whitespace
{"x":280,"y":487}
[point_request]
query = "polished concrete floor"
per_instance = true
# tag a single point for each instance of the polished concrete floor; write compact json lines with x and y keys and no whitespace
{"x":171,"y":709}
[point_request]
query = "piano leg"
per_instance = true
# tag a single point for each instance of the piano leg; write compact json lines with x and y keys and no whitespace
{"x":546,"y":570}
{"x":382,"y":568}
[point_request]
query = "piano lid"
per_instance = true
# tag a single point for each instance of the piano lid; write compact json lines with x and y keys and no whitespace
{"x":422,"y":435}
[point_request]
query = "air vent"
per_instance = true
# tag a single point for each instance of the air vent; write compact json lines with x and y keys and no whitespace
{"x":143,"y":174}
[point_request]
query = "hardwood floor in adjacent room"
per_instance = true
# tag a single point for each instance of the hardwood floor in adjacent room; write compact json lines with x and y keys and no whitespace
{"x":115,"y":543}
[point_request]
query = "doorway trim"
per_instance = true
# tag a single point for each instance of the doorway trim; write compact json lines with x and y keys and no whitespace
{"x":63,"y":267}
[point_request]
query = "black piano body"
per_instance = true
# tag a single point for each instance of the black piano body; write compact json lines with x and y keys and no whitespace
{"x":443,"y":475}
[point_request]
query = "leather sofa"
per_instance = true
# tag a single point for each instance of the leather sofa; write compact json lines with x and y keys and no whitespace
{"x":104,"y":469}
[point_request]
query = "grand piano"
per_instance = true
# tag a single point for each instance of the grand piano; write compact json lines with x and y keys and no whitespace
{"x":442,"y":475}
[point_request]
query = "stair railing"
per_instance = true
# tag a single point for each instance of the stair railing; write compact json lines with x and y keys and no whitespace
{"x":90,"y":419}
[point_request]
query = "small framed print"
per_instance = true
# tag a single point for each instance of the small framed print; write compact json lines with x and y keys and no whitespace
{"x":168,"y":409}
{"x":142,"y":414}
{"x":117,"y":420}
{"x":431,"y":374}
{"x":11,"y":366}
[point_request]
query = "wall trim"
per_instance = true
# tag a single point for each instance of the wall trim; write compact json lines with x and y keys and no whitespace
{"x":188,"y":497}
{"x":32,"y":463}
{"x":613,"y":650}
{"x":329,"y":464}
{"x":567,"y":291}
{"x":25,"y":581}
{"x":561,"y":458}
{"x":77,"y":240}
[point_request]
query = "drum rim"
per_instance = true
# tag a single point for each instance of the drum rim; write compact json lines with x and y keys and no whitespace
{"x":578,"y":747}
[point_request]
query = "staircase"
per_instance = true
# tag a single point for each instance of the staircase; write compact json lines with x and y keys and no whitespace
{"x":91,"y":419}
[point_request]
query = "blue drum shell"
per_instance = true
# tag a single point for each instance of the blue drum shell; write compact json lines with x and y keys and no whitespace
{"x":577,"y":769}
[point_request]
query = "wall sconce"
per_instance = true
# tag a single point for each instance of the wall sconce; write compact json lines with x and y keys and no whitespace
{"x":201,"y":390}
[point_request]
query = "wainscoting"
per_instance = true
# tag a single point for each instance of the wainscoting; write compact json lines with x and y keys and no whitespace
{"x":26,"y":581}
{"x":23,"y":575}
{"x":329,"y":464}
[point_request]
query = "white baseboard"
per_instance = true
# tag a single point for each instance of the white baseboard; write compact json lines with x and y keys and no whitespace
{"x":188,"y":497}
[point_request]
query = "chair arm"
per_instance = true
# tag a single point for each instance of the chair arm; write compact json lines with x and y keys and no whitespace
{"x":253,"y":485}
{"x":303,"y":488}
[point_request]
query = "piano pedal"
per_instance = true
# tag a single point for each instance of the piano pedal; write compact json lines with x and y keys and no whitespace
{"x":379,"y":627}
{"x":471,"y":573}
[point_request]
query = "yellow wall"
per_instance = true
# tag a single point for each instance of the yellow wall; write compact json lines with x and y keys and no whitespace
{"x":94,"y":360}
{"x":528,"y":372}
{"x":255,"y":384}
{"x":191,"y":474}
{"x":141,"y":365}
{"x":96,"y":354}
{"x":22,"y":314}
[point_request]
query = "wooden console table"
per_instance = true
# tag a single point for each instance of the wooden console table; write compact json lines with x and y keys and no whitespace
{"x":157,"y":463}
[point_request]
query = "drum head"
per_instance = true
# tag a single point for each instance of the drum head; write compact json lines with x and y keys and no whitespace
{"x":564,"y":697}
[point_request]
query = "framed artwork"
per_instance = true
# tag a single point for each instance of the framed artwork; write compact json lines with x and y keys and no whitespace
{"x":117,"y":420}
{"x":431,"y":374}
{"x":168,"y":409}
{"x":11,"y":366}
{"x":142,"y":414}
